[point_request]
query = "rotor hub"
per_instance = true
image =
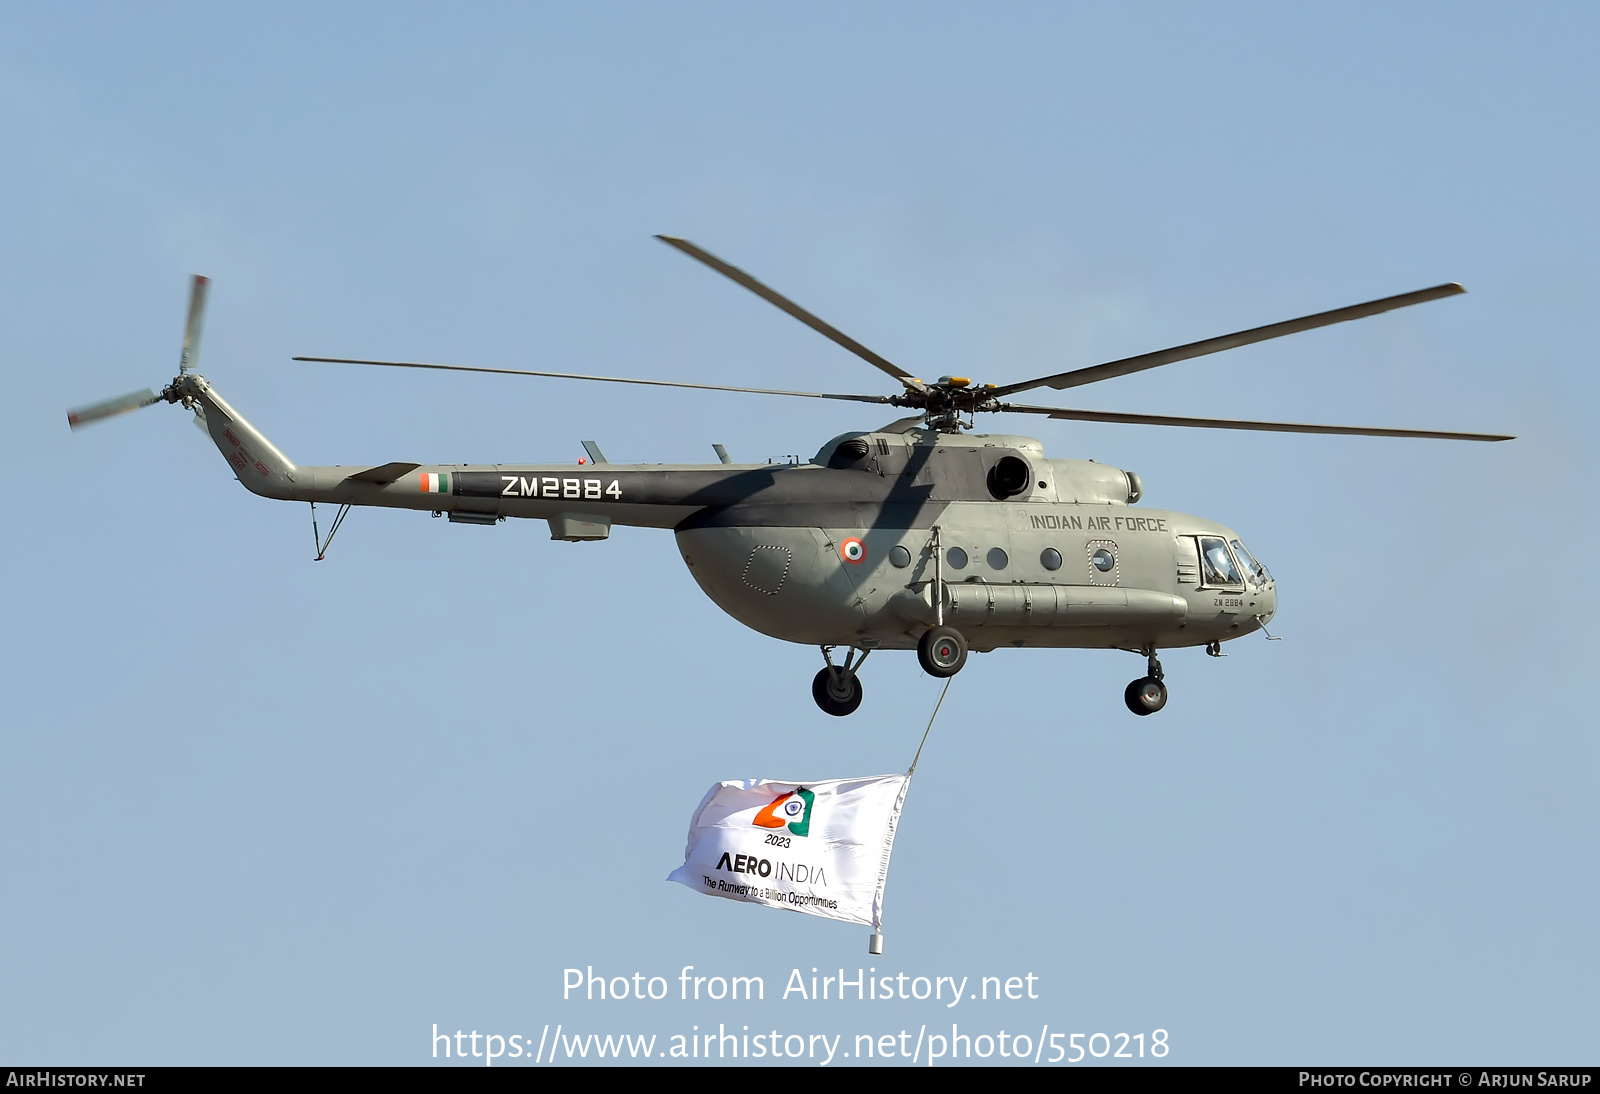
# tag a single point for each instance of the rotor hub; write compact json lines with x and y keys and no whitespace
{"x":946,"y":403}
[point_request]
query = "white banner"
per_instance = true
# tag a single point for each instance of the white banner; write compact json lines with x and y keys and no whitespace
{"x":820,"y":848}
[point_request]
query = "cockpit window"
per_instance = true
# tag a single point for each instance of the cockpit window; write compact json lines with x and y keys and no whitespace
{"x":1253,"y":570}
{"x":1216,"y":565}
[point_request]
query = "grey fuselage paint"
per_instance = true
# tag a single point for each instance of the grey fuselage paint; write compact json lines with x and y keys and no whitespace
{"x":802,"y":552}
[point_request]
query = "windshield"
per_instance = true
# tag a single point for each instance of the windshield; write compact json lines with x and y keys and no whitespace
{"x":1254,"y":571}
{"x":1216,"y":565}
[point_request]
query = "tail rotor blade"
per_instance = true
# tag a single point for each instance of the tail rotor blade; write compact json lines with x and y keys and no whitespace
{"x":111,"y":408}
{"x":197,"y":320}
{"x":134,"y":400}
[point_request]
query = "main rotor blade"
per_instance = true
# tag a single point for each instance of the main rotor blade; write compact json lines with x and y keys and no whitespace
{"x":1230,"y":423}
{"x":603,"y":379}
{"x":778,"y":300}
{"x":197,"y":321}
{"x":122,"y":404}
{"x":1095,"y":373}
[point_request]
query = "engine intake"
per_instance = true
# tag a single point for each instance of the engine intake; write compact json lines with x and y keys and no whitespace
{"x":1009,"y":477}
{"x":849,"y":453}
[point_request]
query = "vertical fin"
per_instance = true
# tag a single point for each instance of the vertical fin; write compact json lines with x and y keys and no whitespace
{"x":254,"y":459}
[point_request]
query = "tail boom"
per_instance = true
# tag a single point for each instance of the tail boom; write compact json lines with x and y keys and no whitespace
{"x":581,"y":498}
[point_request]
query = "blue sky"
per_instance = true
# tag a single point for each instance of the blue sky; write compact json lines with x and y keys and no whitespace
{"x":264,"y":810}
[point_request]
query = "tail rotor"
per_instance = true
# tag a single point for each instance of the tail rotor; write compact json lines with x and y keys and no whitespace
{"x":138,"y":400}
{"x":196,"y":323}
{"x":110,"y":408}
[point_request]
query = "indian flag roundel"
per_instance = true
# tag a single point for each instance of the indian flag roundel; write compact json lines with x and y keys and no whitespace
{"x":852,"y":550}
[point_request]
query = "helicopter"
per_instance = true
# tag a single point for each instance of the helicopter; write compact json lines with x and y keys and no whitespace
{"x":917,"y":535}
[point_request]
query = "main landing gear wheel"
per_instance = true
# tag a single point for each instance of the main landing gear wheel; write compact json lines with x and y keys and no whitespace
{"x":942,"y":652}
{"x":837,"y":691}
{"x":1145,"y":695}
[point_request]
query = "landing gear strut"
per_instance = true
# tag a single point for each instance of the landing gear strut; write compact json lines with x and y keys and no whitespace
{"x":837,"y":688}
{"x":942,"y":651}
{"x":1147,"y":694}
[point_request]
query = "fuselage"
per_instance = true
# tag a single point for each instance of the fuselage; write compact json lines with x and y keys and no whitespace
{"x":878,"y":538}
{"x":1066,"y":562}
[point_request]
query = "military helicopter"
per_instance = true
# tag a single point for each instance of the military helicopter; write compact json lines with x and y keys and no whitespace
{"x":916,"y":535}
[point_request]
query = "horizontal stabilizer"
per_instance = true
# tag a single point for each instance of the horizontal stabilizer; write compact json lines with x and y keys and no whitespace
{"x":383,"y":476}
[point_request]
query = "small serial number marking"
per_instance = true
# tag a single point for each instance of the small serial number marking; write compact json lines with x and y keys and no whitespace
{"x":549,"y":486}
{"x":1230,"y":602}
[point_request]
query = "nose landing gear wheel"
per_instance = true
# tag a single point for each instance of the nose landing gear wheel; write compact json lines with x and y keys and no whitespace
{"x":837,"y":691}
{"x":1145,"y":695}
{"x":942,"y":651}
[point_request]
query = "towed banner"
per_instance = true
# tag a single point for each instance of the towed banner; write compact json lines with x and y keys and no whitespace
{"x":820,"y":848}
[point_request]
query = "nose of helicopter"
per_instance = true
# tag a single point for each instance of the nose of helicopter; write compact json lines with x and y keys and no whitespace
{"x":1267,"y":601}
{"x":1262,"y":589}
